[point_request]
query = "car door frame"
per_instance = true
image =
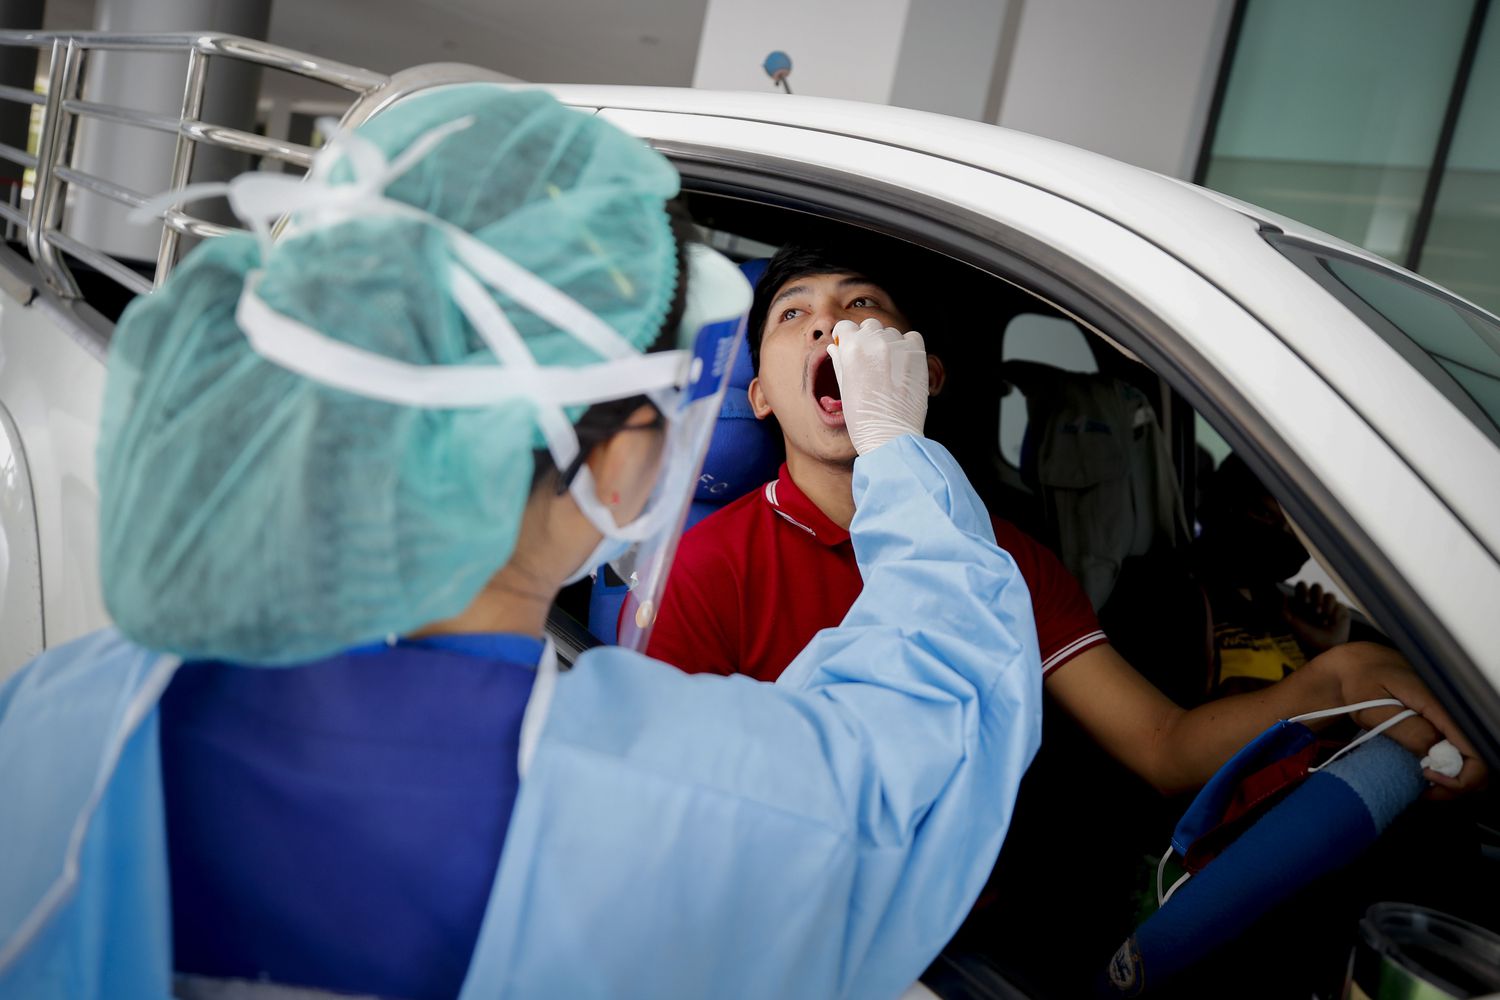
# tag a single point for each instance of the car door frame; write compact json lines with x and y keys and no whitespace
{"x":1154,"y":305}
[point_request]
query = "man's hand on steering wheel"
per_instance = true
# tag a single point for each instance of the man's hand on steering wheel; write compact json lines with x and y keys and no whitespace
{"x":1366,"y":671}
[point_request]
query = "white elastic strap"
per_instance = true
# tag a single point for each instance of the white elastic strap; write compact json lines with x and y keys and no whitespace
{"x":504,"y":275}
{"x":299,"y":348}
{"x":1329,"y":713}
{"x":1175,"y":886}
{"x":537,"y":706}
{"x":1365,"y":737}
{"x":585,"y":494}
{"x":502,"y":337}
{"x":674,"y":483}
{"x":1161,"y":869}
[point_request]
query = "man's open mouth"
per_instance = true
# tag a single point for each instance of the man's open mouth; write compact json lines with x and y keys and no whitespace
{"x":825,"y":387}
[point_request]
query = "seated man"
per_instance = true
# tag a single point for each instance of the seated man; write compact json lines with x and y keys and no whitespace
{"x":755,"y":581}
{"x":1245,"y":550}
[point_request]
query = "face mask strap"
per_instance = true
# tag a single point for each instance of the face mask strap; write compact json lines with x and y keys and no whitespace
{"x":1365,"y":737}
{"x":291,"y":344}
{"x":1329,"y":713}
{"x":1161,"y":868}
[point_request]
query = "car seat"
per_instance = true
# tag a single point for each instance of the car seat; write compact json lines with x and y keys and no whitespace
{"x":1097,"y":458}
{"x":743,"y":454}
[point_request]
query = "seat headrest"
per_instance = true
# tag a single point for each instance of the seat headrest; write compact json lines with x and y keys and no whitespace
{"x":744,"y":452}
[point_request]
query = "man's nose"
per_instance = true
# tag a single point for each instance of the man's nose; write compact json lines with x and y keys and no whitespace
{"x":822,"y":325}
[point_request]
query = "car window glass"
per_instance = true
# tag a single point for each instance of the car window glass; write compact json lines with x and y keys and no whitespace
{"x":1460,"y":340}
{"x":1451,"y":344}
{"x":1048,"y":340}
{"x":1212,"y":450}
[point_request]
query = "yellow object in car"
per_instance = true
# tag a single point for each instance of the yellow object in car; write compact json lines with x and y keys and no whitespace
{"x":1255,"y":655}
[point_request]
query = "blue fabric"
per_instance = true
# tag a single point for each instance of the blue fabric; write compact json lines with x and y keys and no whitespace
{"x":820,"y":837}
{"x":1283,"y":739}
{"x":676,"y":835}
{"x":1386,"y":777}
{"x":100,"y":927}
{"x":1319,"y":828}
{"x":304,"y":806}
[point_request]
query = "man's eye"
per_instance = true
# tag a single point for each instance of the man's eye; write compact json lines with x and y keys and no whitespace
{"x":789,"y":314}
{"x":865,"y":302}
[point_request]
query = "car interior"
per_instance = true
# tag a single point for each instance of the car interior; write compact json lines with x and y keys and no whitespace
{"x":1027,"y":385}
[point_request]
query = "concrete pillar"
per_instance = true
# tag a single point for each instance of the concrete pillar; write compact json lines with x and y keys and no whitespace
{"x":142,"y":160}
{"x":1130,"y":80}
{"x":950,"y":56}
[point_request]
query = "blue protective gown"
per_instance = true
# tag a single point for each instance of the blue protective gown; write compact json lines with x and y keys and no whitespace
{"x":675,"y":835}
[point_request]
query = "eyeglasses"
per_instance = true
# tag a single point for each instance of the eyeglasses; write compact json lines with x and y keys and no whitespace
{"x":586,"y":441}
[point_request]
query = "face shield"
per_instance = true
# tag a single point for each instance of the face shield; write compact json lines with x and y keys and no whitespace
{"x":718,"y":298}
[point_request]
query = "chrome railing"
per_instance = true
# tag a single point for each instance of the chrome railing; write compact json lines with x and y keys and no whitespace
{"x":58,"y":172}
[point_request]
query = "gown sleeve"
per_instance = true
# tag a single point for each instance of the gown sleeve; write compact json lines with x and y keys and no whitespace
{"x":692,"y":835}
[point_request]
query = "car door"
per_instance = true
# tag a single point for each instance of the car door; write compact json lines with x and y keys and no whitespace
{"x":1373,"y":517}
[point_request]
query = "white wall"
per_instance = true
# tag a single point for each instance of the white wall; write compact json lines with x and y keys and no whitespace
{"x":837,"y":49}
{"x":1128,"y":78}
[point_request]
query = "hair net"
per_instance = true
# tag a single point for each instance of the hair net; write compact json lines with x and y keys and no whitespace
{"x":251,"y":514}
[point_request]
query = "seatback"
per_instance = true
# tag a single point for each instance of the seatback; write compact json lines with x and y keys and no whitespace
{"x":1098,"y":459}
{"x":1100,"y":463}
{"x":743,"y":454}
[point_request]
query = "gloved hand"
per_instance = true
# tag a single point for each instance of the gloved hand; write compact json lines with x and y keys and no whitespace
{"x":882,"y":380}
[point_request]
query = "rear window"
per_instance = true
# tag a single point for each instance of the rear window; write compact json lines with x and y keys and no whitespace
{"x":1453,"y":345}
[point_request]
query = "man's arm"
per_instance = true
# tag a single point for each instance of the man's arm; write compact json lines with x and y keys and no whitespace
{"x":1177,"y":749}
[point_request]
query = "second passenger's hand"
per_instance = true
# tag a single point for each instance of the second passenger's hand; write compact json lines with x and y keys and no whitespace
{"x":883,"y":383}
{"x":1317,"y":619}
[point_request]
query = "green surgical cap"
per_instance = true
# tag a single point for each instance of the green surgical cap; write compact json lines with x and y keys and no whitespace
{"x":252,"y":515}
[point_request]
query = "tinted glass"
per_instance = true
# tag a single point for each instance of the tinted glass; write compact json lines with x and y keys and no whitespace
{"x":1453,"y":346}
{"x":1332,"y":112}
{"x":1462,"y":250}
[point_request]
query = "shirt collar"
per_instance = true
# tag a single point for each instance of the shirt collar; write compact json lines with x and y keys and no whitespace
{"x":793,"y":506}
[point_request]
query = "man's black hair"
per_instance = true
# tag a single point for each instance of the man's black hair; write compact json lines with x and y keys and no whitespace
{"x":795,"y":261}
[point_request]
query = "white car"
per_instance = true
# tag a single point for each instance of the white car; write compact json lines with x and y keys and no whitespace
{"x":1366,"y":398}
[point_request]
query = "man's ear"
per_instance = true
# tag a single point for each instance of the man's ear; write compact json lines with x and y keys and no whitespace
{"x":937,"y":375}
{"x":757,"y":397}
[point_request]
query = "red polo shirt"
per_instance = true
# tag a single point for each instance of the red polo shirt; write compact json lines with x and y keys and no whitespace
{"x":754,"y":582}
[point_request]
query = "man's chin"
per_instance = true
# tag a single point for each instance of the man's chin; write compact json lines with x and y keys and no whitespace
{"x":826,"y":445}
{"x":840,"y":456}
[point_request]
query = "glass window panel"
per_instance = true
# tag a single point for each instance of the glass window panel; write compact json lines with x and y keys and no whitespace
{"x":1332,"y":112}
{"x":1462,"y":346}
{"x":1462,"y":250}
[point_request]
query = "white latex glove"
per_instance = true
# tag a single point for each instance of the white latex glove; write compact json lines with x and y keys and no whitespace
{"x":882,"y":377}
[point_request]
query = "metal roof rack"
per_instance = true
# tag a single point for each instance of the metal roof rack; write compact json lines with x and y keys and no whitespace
{"x":63,"y":107}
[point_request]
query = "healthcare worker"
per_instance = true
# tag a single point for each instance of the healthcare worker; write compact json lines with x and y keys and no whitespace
{"x":343,"y":477}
